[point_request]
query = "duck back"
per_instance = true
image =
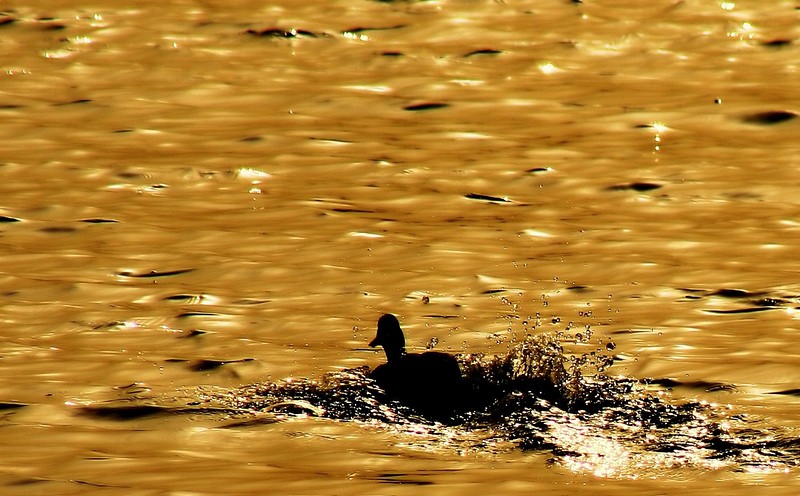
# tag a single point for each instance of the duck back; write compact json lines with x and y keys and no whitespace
{"x":430,"y":383}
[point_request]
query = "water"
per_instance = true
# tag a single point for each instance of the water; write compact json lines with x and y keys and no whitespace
{"x":204,"y":205}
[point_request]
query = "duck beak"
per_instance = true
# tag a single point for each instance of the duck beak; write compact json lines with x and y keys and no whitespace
{"x":374,"y":342}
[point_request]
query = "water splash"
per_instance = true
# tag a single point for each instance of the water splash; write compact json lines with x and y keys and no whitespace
{"x":537,"y":396}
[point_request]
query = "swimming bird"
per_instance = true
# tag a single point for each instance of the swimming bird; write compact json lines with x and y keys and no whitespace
{"x":429,"y":383}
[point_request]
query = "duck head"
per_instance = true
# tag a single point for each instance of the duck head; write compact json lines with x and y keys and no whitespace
{"x":390,"y":336}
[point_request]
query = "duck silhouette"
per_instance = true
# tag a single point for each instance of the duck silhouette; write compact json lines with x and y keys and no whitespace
{"x":429,"y":383}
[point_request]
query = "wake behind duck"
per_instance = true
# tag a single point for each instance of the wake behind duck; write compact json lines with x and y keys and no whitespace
{"x":535,"y":397}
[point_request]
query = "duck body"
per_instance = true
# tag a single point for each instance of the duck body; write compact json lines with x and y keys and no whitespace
{"x":430,"y":383}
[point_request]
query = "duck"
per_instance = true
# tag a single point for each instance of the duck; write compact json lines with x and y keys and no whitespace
{"x":429,"y":383}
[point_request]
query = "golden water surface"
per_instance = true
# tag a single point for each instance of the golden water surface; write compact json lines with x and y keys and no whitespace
{"x":256,"y":182}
